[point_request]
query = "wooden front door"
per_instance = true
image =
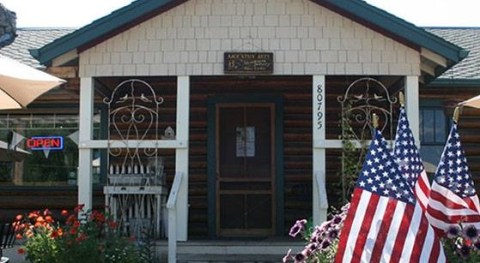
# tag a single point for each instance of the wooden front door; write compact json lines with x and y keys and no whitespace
{"x":245,"y":197}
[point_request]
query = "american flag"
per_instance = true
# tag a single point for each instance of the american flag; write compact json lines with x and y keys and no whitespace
{"x":408,"y":158}
{"x":384,"y":222}
{"x":453,"y":198}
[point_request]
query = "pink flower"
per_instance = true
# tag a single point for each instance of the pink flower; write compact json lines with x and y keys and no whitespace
{"x":297,"y":228}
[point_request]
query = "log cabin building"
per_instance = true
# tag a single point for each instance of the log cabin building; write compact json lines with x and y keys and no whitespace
{"x":254,"y":92}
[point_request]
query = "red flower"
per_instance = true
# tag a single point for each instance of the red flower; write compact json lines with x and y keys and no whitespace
{"x":81,"y":237}
{"x":49,"y":219}
{"x":19,"y":217}
{"x":79,"y":208}
{"x":71,"y":219}
{"x":54,"y":234}
{"x":64,"y":213}
{"x":19,"y":236}
{"x":33,"y":215}
{"x":73,"y":230}
{"x":21,"y":251}
{"x":112,"y":224}
{"x":97,"y":216}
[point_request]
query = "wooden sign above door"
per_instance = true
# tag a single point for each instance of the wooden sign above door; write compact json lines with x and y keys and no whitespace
{"x":248,"y":63}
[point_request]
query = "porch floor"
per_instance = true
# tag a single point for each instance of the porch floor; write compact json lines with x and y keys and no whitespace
{"x":207,"y":251}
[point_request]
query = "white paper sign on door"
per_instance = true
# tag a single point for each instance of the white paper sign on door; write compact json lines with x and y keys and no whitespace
{"x":245,"y":142}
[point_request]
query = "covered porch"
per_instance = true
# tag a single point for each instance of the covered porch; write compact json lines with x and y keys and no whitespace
{"x":303,"y":115}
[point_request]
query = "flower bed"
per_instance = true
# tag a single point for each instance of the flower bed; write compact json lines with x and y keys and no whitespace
{"x":461,"y":243}
{"x":84,"y":236}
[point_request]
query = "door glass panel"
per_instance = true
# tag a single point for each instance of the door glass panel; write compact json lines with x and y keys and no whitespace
{"x":230,"y":119}
{"x":259,"y":165}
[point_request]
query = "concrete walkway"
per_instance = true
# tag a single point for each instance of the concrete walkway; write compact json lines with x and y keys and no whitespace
{"x":13,"y":255}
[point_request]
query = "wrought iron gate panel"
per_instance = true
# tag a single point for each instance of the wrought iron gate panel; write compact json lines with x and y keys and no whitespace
{"x":135,"y":191}
{"x":361,"y":100}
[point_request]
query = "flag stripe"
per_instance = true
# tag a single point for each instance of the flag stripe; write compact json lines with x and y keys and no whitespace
{"x":436,"y":248}
{"x":373,"y":236}
{"x":393,"y":231}
{"x":453,"y":199}
{"x":422,"y":190}
{"x":402,"y":235}
{"x":365,"y":227}
{"x":385,"y":223}
{"x":451,"y":215}
{"x":347,"y":228}
{"x":421,"y":225}
{"x":447,"y":198}
{"x":382,"y":237}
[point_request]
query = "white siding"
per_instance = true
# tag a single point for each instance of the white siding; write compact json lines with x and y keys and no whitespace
{"x":305,"y":38}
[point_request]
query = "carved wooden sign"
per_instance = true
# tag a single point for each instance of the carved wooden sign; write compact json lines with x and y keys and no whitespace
{"x":248,"y":63}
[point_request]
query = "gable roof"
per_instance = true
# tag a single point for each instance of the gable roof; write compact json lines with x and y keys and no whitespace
{"x":468,"y":70}
{"x":438,"y":54}
{"x":32,"y":38}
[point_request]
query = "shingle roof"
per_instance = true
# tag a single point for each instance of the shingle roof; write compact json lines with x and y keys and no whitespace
{"x":32,"y":38}
{"x":469,"y":39}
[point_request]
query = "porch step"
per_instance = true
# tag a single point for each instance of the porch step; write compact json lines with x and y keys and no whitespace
{"x":268,"y":251}
{"x":229,"y":259}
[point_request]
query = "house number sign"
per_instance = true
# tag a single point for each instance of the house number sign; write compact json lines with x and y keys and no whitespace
{"x":248,"y":63}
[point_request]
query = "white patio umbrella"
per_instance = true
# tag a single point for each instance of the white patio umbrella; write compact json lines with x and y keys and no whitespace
{"x":473,"y":102}
{"x":20,"y":84}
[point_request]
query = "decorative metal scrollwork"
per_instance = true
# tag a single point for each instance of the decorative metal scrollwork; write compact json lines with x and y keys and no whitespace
{"x":362,"y":98}
{"x":133,"y":116}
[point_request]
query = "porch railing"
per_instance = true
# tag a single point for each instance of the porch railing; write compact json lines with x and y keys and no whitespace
{"x":322,"y":193}
{"x":172,"y":218}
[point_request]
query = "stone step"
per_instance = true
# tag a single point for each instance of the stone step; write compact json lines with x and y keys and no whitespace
{"x":230,"y":251}
{"x":237,"y":258}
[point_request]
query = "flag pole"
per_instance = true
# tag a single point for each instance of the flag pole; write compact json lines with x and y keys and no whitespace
{"x":375,"y":120}
{"x":401,"y":98}
{"x":456,"y":113}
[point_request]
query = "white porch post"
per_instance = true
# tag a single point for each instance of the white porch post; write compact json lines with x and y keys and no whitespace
{"x":412,"y":106}
{"x":320,"y":203}
{"x":181,"y":154}
{"x":85,"y":135}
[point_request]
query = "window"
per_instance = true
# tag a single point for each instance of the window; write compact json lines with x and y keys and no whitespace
{"x":50,"y":166}
{"x":433,"y":134}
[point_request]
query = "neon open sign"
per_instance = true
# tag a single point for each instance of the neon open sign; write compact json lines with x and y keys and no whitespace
{"x":45,"y":143}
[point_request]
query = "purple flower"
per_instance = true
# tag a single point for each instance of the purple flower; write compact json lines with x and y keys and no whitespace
{"x":325,"y":244}
{"x":477,"y":244}
{"x":332,"y":234}
{"x":300,"y":257}
{"x":287,"y":256}
{"x":312,"y":247}
{"x":470,"y":232}
{"x":297,"y":228}
{"x":453,"y":231}
{"x":337,"y":219}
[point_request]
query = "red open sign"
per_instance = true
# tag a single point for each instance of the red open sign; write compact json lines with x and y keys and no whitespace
{"x":45,"y":143}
